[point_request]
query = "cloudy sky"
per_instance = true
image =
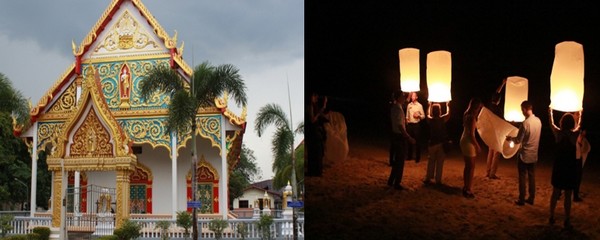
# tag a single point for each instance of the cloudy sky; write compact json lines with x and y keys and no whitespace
{"x":263,"y":38}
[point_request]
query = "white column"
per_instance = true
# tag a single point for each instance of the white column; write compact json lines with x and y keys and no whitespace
{"x":33,"y":198}
{"x":76,"y":192}
{"x":174,"y":174}
{"x":223,"y":184}
{"x":51,"y":193}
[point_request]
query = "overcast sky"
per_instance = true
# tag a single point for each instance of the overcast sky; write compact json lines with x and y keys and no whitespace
{"x":263,"y":38}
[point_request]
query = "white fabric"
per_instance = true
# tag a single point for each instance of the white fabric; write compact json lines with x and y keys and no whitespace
{"x":583,"y":150}
{"x":336,"y":145}
{"x":493,"y":131}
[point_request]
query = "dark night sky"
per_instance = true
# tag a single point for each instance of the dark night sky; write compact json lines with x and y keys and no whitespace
{"x":352,"y":52}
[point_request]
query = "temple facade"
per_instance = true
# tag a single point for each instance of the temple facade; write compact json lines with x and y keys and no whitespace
{"x":97,"y":130}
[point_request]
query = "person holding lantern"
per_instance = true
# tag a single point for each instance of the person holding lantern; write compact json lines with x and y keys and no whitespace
{"x":437,"y":137}
{"x":493,"y":156}
{"x":529,"y":138}
{"x":565,"y":169}
{"x":469,"y":145}
{"x":414,"y":115}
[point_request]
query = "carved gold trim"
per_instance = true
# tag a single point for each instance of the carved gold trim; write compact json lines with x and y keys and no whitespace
{"x":145,"y":169}
{"x":139,"y":57}
{"x":123,"y":189}
{"x":203,"y":163}
{"x":222,"y":103}
{"x":121,"y":159}
{"x":56,"y":198}
{"x":66,"y":102}
{"x":92,"y":164}
{"x":46,"y":98}
{"x":91,"y":36}
{"x":125,"y":34}
{"x":184,"y":66}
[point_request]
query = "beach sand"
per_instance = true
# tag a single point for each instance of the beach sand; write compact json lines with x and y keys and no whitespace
{"x":352,"y":201}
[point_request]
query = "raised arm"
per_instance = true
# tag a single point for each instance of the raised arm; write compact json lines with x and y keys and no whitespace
{"x":553,"y":126}
{"x":501,"y":86}
{"x":446,"y":115}
{"x":429,"y":105}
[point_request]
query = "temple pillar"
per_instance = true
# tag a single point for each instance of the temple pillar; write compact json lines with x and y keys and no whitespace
{"x":122,"y":211}
{"x":34,"y":157}
{"x":174,"y":174}
{"x":223,"y":183}
{"x":57,"y":199}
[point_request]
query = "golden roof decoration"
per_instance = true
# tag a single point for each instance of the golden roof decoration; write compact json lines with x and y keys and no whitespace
{"x":107,"y":15}
{"x":92,"y":95}
{"x":46,"y":98}
{"x":222,"y":103}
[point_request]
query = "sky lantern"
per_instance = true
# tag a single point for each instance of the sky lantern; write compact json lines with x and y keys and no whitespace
{"x":566,"y":80}
{"x":409,"y":69}
{"x":439,"y":76}
{"x":515,"y":94}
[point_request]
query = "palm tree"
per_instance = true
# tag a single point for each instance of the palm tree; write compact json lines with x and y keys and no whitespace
{"x":207,"y":83}
{"x":283,"y":146}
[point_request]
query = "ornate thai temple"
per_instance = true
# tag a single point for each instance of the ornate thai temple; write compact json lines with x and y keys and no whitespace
{"x":97,"y":130}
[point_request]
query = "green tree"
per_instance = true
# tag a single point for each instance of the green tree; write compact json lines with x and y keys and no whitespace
{"x":283,"y":148}
{"x":218,"y":226}
{"x":13,"y":102}
{"x":282,"y":143}
{"x":244,"y":173}
{"x":184,"y":220}
{"x":207,"y":83}
{"x":163,"y":226}
{"x":14,"y":157}
{"x":264,"y":226}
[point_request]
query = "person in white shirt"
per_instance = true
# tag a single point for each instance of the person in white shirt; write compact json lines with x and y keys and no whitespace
{"x":529,"y":138}
{"x":414,"y":115}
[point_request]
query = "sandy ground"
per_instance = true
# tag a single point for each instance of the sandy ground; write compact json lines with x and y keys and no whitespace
{"x":352,"y":201}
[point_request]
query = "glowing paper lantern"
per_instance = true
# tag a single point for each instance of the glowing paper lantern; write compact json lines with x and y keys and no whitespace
{"x":515,"y":94}
{"x":439,"y":76}
{"x":493,"y":131}
{"x":409,"y":69}
{"x":566,"y":80}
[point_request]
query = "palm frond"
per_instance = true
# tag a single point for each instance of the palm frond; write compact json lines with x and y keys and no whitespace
{"x":213,"y":81}
{"x":182,"y":110}
{"x":300,"y":128}
{"x":270,"y":114}
{"x":282,"y":145}
{"x":161,"y":78}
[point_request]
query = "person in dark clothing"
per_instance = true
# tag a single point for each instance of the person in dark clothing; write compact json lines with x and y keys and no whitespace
{"x":437,"y":137}
{"x":493,"y":156}
{"x":564,"y":170}
{"x":316,"y":135}
{"x":399,"y":140}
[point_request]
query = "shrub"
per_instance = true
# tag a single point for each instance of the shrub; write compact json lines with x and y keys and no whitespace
{"x":217,"y":226}
{"x":242,"y":230}
{"x":129,"y":230}
{"x":20,"y":237}
{"x":44,"y":232}
{"x":5,"y":226}
{"x":108,"y":237}
{"x":164,"y":227}
{"x":184,"y":220}
{"x":264,"y":226}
